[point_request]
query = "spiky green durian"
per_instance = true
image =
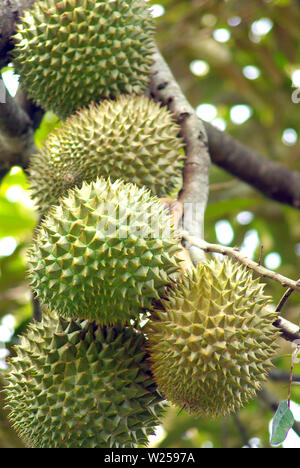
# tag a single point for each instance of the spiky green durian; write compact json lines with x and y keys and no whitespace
{"x":132,"y":138}
{"x":72,"y":52}
{"x":73,"y":384}
{"x":104,"y":253}
{"x":211,"y":340}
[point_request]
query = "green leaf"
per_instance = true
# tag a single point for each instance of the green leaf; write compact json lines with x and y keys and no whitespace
{"x":17,"y":177}
{"x":283,"y":421}
{"x":49,"y":123}
{"x":15,"y":219}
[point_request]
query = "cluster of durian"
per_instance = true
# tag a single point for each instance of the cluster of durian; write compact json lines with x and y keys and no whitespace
{"x":105,"y":258}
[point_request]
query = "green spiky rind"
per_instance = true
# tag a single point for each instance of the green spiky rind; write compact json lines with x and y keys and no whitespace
{"x":132,"y":138}
{"x":74,"y":384}
{"x":72,"y":52}
{"x":104,"y":253}
{"x":211,"y":341}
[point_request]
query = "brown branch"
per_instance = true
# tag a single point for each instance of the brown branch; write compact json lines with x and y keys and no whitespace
{"x":175,"y":210}
{"x":34,"y":111}
{"x":194,"y":194}
{"x":243,"y":430}
{"x":289,"y":331}
{"x":36,"y":309}
{"x":16,"y":135}
{"x":237,"y":255}
{"x":284,"y":299}
{"x":270,"y":178}
{"x":16,"y":125}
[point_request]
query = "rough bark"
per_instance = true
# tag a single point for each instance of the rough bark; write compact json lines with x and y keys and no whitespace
{"x":16,"y":135}
{"x":10,"y":11}
{"x":194,"y":194}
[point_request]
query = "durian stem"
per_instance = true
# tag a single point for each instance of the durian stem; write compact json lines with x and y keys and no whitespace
{"x":175,"y":209}
{"x":241,"y":428}
{"x":237,"y":255}
{"x":194,"y":193}
{"x":289,"y":331}
{"x":37,"y":311}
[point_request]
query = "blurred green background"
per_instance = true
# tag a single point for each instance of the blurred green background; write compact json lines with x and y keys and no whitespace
{"x":238,"y":64}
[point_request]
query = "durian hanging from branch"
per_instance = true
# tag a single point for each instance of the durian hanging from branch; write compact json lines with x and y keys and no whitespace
{"x":211,"y":339}
{"x":104,"y":253}
{"x":72,"y":52}
{"x":73,"y":384}
{"x":131,"y":138}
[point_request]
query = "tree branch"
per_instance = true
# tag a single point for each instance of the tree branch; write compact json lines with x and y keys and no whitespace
{"x":10,"y":11}
{"x":289,"y":331}
{"x":194,"y":194}
{"x":16,"y":126}
{"x":16,"y":135}
{"x":272,"y":179}
{"x":34,"y":112}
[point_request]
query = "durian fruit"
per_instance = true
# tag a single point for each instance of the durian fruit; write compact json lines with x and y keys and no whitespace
{"x":73,"y":384}
{"x":131,"y":138}
{"x":211,"y":339}
{"x":104,"y":253}
{"x":72,"y":52}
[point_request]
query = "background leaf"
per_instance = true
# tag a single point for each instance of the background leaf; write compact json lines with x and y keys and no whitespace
{"x":283,"y":421}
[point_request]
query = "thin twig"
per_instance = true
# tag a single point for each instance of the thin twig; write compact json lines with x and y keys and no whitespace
{"x":284,"y":299}
{"x":37,"y":311}
{"x":294,"y":359}
{"x":237,"y":255}
{"x":222,"y":185}
{"x":261,"y":255}
{"x":241,"y":428}
{"x":289,"y":331}
{"x":290,"y":384}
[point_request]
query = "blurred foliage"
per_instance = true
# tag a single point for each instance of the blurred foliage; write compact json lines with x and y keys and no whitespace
{"x":185,"y":33}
